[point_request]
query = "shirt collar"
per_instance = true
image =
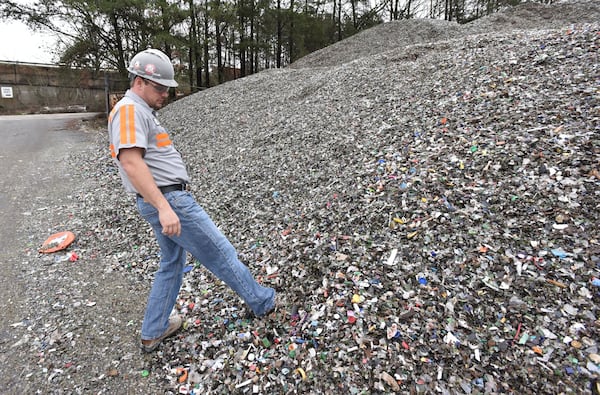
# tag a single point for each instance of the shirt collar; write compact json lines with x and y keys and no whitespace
{"x":136,"y":98}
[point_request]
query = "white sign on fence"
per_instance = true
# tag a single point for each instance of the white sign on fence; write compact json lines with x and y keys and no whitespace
{"x":7,"y":92}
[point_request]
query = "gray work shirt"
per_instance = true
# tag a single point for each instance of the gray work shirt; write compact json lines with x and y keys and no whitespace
{"x":133,"y":123}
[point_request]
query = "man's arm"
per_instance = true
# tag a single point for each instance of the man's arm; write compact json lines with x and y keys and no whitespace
{"x":132,"y":161}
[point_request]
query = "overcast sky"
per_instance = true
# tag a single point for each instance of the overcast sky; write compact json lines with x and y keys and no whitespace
{"x":18,"y":43}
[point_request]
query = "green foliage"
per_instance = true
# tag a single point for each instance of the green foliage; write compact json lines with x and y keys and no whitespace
{"x":100,"y":34}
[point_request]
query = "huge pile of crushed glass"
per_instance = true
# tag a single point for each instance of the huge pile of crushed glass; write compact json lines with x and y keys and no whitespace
{"x":424,"y":196}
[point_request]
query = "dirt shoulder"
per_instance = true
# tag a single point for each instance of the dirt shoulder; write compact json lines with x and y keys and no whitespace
{"x":66,"y":324}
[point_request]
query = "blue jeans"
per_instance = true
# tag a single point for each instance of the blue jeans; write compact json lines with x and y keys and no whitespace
{"x":200,"y":237}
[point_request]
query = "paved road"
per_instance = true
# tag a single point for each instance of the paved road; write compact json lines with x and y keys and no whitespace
{"x":29,"y":144}
{"x":51,"y":340}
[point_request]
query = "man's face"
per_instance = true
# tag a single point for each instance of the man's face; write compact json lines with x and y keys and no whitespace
{"x":154,"y":94}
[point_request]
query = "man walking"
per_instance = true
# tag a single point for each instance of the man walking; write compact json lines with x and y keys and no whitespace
{"x":153,"y":169}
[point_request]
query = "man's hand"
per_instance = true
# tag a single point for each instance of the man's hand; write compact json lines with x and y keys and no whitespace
{"x":133,"y":163}
{"x":169,"y":221}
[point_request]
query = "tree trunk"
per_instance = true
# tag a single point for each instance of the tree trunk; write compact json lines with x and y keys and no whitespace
{"x":334,"y":14}
{"x":218,"y":42}
{"x":242,"y":45}
{"x":253,"y":39}
{"x":292,"y":48}
{"x":121,"y":62}
{"x":206,"y":34}
{"x":194,"y":53}
{"x":339,"y":24}
{"x":279,"y":35}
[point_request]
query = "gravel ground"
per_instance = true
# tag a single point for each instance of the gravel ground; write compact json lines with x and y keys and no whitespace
{"x":424,"y":196}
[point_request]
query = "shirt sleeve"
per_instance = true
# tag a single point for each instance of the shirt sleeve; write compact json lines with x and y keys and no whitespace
{"x":126,"y":129}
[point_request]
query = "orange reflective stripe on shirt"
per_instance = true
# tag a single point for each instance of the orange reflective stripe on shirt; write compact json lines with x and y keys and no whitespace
{"x":127,"y":124}
{"x":112,"y":114}
{"x":162,"y":140}
{"x":112,"y":151}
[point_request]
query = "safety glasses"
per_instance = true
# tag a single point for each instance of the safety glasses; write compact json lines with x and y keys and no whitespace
{"x":157,"y":87}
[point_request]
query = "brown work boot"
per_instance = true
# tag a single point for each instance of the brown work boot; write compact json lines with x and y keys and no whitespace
{"x":278,"y":310}
{"x":175,"y":322}
{"x":249,"y":314}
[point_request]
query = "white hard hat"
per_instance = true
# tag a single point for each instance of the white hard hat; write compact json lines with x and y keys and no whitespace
{"x":153,"y":65}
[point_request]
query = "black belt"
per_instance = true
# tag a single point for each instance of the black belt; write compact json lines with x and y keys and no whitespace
{"x":172,"y":188}
{"x":175,"y":187}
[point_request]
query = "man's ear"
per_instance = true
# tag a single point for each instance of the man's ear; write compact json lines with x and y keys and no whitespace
{"x":137,"y":81}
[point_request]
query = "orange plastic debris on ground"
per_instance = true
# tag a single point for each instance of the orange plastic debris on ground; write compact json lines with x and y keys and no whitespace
{"x":58,"y":241}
